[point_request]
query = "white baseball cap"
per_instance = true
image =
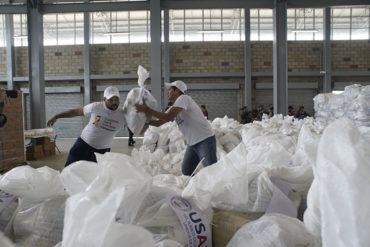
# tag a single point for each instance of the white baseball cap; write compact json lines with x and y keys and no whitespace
{"x":110,"y":92}
{"x":179,"y":84}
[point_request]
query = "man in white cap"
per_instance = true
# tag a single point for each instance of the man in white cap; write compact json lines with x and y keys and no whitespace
{"x":194,"y":126}
{"x":106,"y":119}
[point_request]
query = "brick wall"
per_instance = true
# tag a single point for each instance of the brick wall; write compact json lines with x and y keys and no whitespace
{"x":194,"y":57}
{"x":11,"y":136}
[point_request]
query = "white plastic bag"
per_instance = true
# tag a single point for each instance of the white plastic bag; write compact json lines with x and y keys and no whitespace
{"x":223,"y":185}
{"x":136,"y":120}
{"x":273,"y":230}
{"x":77,"y":177}
{"x":343,"y":171}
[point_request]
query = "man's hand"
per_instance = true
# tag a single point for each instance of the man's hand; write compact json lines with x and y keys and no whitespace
{"x":141,"y":108}
{"x":52,"y":121}
{"x":4,"y":100}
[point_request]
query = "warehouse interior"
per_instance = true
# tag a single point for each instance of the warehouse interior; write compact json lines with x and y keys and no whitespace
{"x":265,"y":55}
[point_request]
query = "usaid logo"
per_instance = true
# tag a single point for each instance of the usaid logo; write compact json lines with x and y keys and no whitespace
{"x":181,"y":204}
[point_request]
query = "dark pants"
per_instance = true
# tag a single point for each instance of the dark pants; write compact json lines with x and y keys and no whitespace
{"x":83,"y":151}
{"x":205,"y":150}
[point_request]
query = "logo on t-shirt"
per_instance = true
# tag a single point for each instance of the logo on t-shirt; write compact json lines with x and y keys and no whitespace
{"x":179,"y":120}
{"x":96,"y":121}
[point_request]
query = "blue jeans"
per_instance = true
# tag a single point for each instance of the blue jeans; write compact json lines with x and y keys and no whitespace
{"x":194,"y":154}
{"x":83,"y":151}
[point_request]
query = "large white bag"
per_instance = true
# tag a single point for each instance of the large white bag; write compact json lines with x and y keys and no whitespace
{"x":136,"y":120}
{"x":273,"y":230}
{"x":343,"y":171}
{"x":222,"y":185}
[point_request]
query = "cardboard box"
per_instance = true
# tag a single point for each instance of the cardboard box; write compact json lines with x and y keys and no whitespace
{"x":34,"y":149}
{"x":41,"y":140}
{"x":226,"y":223}
{"x":48,"y":146}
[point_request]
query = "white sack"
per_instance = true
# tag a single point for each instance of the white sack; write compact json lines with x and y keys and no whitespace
{"x":343,"y":170}
{"x":273,"y":230}
{"x":77,"y":177}
{"x":136,"y":120}
{"x":34,"y":185}
{"x":223,"y":185}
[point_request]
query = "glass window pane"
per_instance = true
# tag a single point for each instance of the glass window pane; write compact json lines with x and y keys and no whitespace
{"x":193,"y":36}
{"x":360,"y":34}
{"x":50,"y":30}
{"x":138,"y":37}
{"x":212,"y":37}
{"x":177,"y":36}
{"x":2,"y":31}
{"x":79,"y":29}
{"x":20,"y":30}
{"x":266,"y":35}
{"x":66,"y":29}
{"x":341,"y":34}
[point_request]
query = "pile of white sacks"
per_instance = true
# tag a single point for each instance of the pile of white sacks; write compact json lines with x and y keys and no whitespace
{"x":353,"y":103}
{"x":121,"y":200}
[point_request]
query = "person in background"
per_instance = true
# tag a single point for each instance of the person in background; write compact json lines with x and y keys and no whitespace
{"x":204,"y":110}
{"x":271,"y":110}
{"x":131,"y":141}
{"x":198,"y":133}
{"x":301,"y":114}
{"x":291,"y":111}
{"x":106,"y":119}
{"x":245,"y":115}
{"x":4,"y":101}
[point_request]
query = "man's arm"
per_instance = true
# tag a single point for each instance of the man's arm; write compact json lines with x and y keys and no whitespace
{"x":66,"y":114}
{"x":163,"y":117}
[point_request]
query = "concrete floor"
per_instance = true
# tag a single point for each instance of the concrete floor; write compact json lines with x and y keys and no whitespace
{"x":120,"y":145}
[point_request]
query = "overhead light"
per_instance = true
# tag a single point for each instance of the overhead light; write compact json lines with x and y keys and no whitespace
{"x":115,"y":33}
{"x":304,"y":31}
{"x":20,"y":37}
{"x":211,"y":31}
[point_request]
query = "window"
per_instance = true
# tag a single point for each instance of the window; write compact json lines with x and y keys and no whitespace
{"x":350,"y":23}
{"x":20,"y":30}
{"x":305,"y":24}
{"x":120,"y":27}
{"x":261,"y":24}
{"x":2,"y":31}
{"x":63,"y":29}
{"x":206,"y":25}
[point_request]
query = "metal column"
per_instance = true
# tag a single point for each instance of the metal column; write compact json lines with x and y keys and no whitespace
{"x":327,"y":52}
{"x":10,"y":60}
{"x":87,"y":61}
{"x":247,"y":61}
{"x":280,"y":71}
{"x":36,"y":65}
{"x":167,"y":68}
{"x":155,"y":53}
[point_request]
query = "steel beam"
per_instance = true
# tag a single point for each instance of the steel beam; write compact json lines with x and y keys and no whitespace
{"x":167,"y":64}
{"x":36,"y":67}
{"x":93,"y":7}
{"x":207,"y":4}
{"x":326,"y":57}
{"x":10,"y":60}
{"x":280,"y":68}
{"x":87,"y":60}
{"x":155,"y":52}
{"x":247,"y":60}
{"x":13,"y":9}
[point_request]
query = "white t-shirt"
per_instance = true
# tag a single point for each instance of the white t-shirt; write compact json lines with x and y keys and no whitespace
{"x":191,"y":121}
{"x":103,"y":125}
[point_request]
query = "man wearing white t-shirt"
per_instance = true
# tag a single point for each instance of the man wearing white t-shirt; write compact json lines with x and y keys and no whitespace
{"x":106,"y":119}
{"x":194,"y":126}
